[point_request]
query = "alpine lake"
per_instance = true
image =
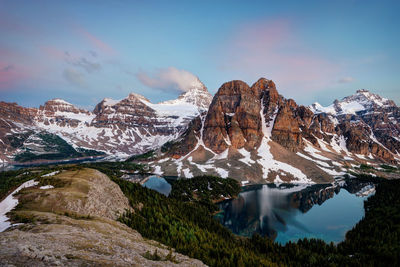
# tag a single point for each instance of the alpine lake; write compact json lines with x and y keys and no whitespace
{"x":288,"y":212}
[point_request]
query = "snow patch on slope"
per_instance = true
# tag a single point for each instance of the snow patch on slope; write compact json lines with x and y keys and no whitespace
{"x":10,"y":203}
{"x":267,"y":161}
{"x":246,"y":154}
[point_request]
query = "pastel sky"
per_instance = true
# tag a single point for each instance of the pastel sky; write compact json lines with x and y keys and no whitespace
{"x":83,"y":51}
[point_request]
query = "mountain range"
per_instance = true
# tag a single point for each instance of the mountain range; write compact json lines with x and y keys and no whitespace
{"x":251,"y":133}
{"x":118,"y":128}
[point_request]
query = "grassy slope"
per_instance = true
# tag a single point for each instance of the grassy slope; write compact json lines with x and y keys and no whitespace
{"x":52,"y":227}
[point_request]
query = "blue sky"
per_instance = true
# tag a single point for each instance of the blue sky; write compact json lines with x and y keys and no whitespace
{"x":83,"y":51}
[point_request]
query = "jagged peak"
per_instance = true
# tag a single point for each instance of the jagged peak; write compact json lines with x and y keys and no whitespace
{"x":60,"y":105}
{"x":109,"y":101}
{"x":197,"y":85}
{"x":366,"y":99}
{"x":134,"y":96}
{"x":266,"y":82}
{"x":362,"y":100}
{"x":58,"y":101}
{"x":197,"y":94}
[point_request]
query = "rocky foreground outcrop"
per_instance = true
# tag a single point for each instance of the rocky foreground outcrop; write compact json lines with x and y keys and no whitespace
{"x":74,"y":224}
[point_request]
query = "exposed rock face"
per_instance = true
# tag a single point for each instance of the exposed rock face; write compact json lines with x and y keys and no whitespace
{"x":253,"y":132}
{"x":286,"y":129}
{"x":13,"y":119}
{"x":62,"y":235}
{"x":119,"y":128}
{"x":368,"y":122}
{"x":15,"y":113}
{"x":62,"y":114}
{"x":233,"y":118}
{"x":126,"y":112}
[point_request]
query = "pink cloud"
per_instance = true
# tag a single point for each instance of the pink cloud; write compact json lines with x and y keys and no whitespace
{"x":53,"y":52}
{"x":10,"y":25}
{"x":10,"y":75}
{"x":17,"y":67}
{"x":168,"y":78}
{"x":275,"y":50}
{"x":96,"y":42}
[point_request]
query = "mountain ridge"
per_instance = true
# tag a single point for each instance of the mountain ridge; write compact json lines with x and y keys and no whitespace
{"x":117,"y":127}
{"x":271,"y":138}
{"x":249,"y":132}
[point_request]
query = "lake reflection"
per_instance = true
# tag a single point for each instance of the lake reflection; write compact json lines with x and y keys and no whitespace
{"x":288,"y":213}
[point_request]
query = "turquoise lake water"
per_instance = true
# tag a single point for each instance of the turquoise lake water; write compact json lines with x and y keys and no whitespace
{"x":328,"y":222}
{"x":277,"y":213}
{"x":285,"y":213}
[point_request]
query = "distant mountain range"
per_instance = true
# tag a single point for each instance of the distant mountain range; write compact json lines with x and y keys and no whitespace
{"x":248,"y":133}
{"x":118,"y":128}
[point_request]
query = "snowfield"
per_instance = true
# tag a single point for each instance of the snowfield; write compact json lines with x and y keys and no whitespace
{"x":10,"y":203}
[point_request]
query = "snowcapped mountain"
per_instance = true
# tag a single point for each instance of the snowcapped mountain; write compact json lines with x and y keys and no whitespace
{"x":250,"y":133}
{"x":362,"y":100}
{"x":197,"y":95}
{"x":255,"y":134}
{"x":369,"y":122}
{"x":119,"y":128}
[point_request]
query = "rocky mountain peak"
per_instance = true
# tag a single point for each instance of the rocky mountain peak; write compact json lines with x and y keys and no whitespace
{"x":197,"y":94}
{"x":58,"y":105}
{"x":135,"y":97}
{"x":126,"y":106}
{"x":264,"y":84}
{"x":360,"y":91}
{"x":234,"y":117}
{"x":362,"y":100}
{"x":58,"y":102}
{"x":368,"y":99}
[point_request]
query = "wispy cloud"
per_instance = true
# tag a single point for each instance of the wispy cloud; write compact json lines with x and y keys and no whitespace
{"x":74,"y":77}
{"x":88,"y":65}
{"x":96,"y":42}
{"x":273,"y":49}
{"x":346,"y":80}
{"x":10,"y":75}
{"x":7,"y":68}
{"x":168,"y":79}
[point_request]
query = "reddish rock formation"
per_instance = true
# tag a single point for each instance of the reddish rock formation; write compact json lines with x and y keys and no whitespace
{"x":233,"y":118}
{"x":233,"y":121}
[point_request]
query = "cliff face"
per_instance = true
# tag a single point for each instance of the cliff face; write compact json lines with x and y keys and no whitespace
{"x":256,"y":134}
{"x":234,"y":119}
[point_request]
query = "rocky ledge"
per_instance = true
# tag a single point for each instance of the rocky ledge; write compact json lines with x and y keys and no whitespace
{"x":73,"y":224}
